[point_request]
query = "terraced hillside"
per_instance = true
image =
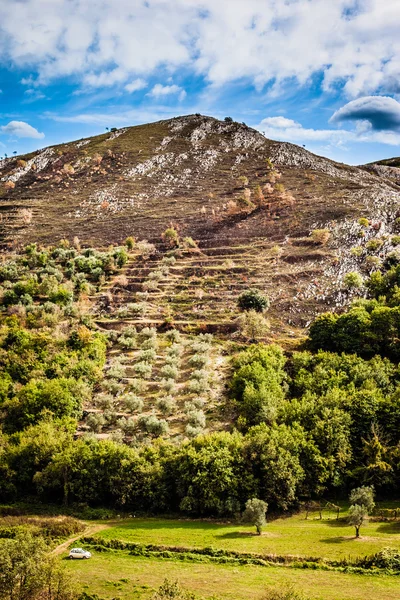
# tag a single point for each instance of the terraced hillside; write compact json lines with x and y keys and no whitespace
{"x":248,"y":203}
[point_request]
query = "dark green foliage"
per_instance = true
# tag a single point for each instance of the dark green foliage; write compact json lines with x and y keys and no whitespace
{"x":257,"y":385}
{"x":253,"y":300}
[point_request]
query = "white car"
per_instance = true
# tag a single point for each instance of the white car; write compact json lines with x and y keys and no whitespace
{"x":79,"y":553}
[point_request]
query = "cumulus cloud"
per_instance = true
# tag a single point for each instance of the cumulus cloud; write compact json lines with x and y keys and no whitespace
{"x":283,"y":129}
{"x":136,"y":85}
{"x":356,"y":44}
{"x":21,"y":129}
{"x":381,"y":112}
{"x":160,"y":90}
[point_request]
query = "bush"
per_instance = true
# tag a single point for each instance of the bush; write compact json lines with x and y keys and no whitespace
{"x":353,"y":280}
{"x":128,"y":426}
{"x":143,"y":369}
{"x":363,"y":222}
{"x":95,"y":422}
{"x":321,"y":236}
{"x":252,"y":325}
{"x":253,"y":300}
{"x":130,"y":242}
{"x":169,"y":385}
{"x":167,"y":405}
{"x":196,"y":418}
{"x":196,"y":386}
{"x":149,"y":355}
{"x":153,"y":426}
{"x":169,"y":372}
{"x":132,"y":403}
{"x":116,"y":370}
{"x":198,"y":360}
{"x":193,"y":432}
{"x":104,"y":401}
{"x":374,"y":245}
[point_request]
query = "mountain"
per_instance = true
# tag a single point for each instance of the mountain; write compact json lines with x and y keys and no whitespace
{"x":250,"y":204}
{"x":388,"y":169}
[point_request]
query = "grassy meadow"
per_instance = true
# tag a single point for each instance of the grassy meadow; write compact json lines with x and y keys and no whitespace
{"x":117,"y":574}
{"x":332,"y":539}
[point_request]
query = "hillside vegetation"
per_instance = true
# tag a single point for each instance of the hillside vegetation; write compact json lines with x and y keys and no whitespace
{"x":195,"y":320}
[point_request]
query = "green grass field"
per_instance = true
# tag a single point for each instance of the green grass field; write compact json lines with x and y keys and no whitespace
{"x":105,"y":573}
{"x":294,"y":535}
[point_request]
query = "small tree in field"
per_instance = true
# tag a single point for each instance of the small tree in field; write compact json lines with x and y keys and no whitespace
{"x":362,"y":503}
{"x":255,"y":513}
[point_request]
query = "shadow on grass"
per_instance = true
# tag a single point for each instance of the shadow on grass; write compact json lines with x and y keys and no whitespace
{"x":389,"y":527}
{"x":234,"y":535}
{"x":338,"y":540}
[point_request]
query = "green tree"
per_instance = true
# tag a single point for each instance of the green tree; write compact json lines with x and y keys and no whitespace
{"x":255,"y":513}
{"x":356,"y":517}
{"x":253,"y":300}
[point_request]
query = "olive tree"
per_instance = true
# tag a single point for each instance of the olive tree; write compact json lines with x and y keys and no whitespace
{"x":255,"y":513}
{"x":362,"y":503}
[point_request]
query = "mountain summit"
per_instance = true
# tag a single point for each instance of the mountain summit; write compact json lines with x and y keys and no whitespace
{"x":236,"y":193}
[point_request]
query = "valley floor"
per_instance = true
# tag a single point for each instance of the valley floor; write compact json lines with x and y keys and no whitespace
{"x":116,"y":573}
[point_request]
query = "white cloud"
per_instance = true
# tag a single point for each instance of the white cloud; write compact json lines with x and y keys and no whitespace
{"x":21,"y":129}
{"x":381,"y":113}
{"x":160,"y":90}
{"x":283,"y":129}
{"x":136,"y":85}
{"x":353,"y":44}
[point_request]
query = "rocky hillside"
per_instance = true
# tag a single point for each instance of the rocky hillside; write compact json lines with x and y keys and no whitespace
{"x":388,"y":169}
{"x":249,"y":203}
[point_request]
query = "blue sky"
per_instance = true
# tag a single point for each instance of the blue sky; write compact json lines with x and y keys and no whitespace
{"x":319,"y":73}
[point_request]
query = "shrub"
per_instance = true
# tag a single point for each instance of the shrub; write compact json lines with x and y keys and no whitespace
{"x":149,"y":355}
{"x":128,"y":426}
{"x":153,"y":426}
{"x":145,"y":249}
{"x":104,"y":401}
{"x":228,"y":120}
{"x":130,"y":242}
{"x":198,"y":360}
{"x":112,"y":386}
{"x":253,"y":300}
{"x":372,"y":262}
{"x":132,"y":403}
{"x":169,"y":385}
{"x":395,"y":240}
{"x":169,"y":260}
{"x":116,"y":370}
{"x":95,"y":422}
{"x":194,"y":404}
{"x":143,"y":369}
{"x":192,"y":431}
{"x":196,"y":418}
{"x":169,"y":372}
{"x":195,"y":386}
{"x":136,"y":308}
{"x":353,"y":280}
{"x":171,"y":237}
{"x":374,"y":245}
{"x":363,"y":222}
{"x":321,"y":236}
{"x":148,"y":332}
{"x":137,"y":385}
{"x":167,"y":405}
{"x":357,"y":251}
{"x":252,"y":325}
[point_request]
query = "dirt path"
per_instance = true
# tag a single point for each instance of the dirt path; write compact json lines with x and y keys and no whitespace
{"x":88,"y":531}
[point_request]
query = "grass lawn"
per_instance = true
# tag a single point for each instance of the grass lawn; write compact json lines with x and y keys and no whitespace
{"x":293,"y":535}
{"x":103,"y":574}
